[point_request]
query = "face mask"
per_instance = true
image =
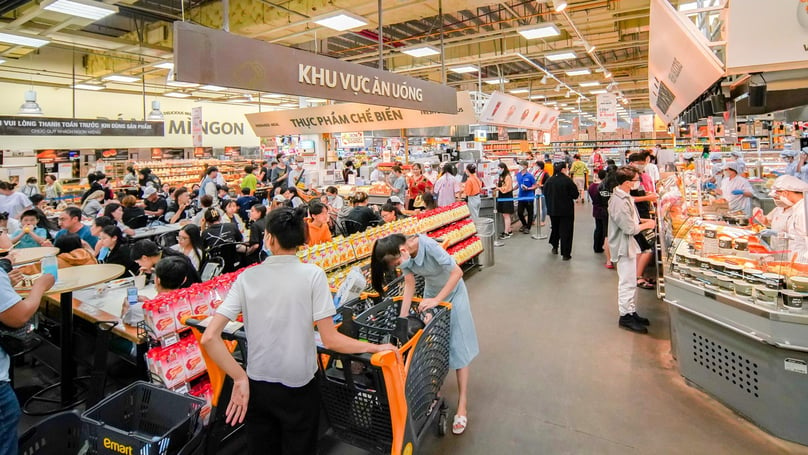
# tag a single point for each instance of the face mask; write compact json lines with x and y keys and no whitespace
{"x":727,"y":175}
{"x":635,"y":185}
{"x":501,"y":171}
{"x":331,"y":198}
{"x":103,"y":253}
{"x":783,"y":201}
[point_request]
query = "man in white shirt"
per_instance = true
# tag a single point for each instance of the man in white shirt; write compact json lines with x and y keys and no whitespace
{"x":12,"y":202}
{"x":430,"y":174}
{"x":280,"y":300}
{"x":665,"y":158}
{"x":377,"y":175}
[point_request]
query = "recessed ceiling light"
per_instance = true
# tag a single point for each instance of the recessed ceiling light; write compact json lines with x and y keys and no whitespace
{"x":165,"y":65}
{"x":272,"y":95}
{"x":120,"y":78}
{"x":176,"y":95}
{"x":578,"y":72}
{"x":589,"y":84}
{"x":539,"y":31}
{"x":89,"y":86}
{"x":517,"y":91}
{"x":81,"y":8}
{"x":213,"y":88}
{"x":289,"y":105}
{"x":559,"y":56}
{"x":421,"y":50}
{"x":464,"y":69}
{"x":173,"y":83}
{"x":536,"y":97}
{"x":496,"y":81}
{"x":598,"y":92}
{"x":341,"y":21}
{"x":22,"y":40}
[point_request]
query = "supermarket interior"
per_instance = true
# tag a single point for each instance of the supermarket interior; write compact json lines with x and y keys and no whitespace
{"x":411,"y":227}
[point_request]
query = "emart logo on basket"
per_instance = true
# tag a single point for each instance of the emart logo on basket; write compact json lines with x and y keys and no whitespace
{"x":123,"y":449}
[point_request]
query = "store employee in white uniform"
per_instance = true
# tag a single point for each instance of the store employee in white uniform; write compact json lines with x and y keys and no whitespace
{"x":736,"y":189}
{"x":786,"y":191}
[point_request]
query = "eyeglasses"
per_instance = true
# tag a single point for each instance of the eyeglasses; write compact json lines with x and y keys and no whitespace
{"x":635,"y":180}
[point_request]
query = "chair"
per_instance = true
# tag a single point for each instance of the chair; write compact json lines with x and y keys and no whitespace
{"x":212,"y":268}
{"x":350,"y":226}
{"x":227,"y":252}
{"x":166,"y":240}
{"x":137,"y":222}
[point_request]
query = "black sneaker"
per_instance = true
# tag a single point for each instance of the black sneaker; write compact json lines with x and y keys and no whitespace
{"x":554,"y":251}
{"x":628,"y":322}
{"x":507,"y":235}
{"x":640,"y":319}
{"x":566,"y":258}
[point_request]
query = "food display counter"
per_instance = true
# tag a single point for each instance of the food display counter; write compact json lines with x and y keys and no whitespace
{"x":739,"y":314}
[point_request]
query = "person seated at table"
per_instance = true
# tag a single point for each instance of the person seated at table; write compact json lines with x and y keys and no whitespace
{"x":30,"y":235}
{"x":181,"y":209}
{"x":205,"y":202}
{"x":98,"y":225}
{"x":154,"y":206}
{"x":92,"y":205}
{"x":189,"y":243}
{"x":291,"y":195}
{"x":114,"y":211}
{"x":8,"y":225}
{"x":72,"y":251}
{"x":390,"y":213}
{"x":317,"y":223}
{"x":231,"y":215}
{"x":97,"y":180}
{"x":245,"y":202}
{"x":130,"y":178}
{"x":170,"y":274}
{"x":115,"y":250}
{"x":147,"y":254}
{"x":361,"y":216}
{"x":255,"y":245}
{"x":70,"y":222}
{"x":218,"y":232}
{"x":166,"y":191}
{"x":133,"y":216}
{"x":13,"y":202}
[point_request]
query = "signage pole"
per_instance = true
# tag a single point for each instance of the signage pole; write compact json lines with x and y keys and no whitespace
{"x":442,"y":49}
{"x":381,"y":37}
{"x":406,"y":145}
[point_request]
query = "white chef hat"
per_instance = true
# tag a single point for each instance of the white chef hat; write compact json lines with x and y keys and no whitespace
{"x":687,"y":156}
{"x":788,"y":153}
{"x":788,"y":183}
{"x":734,"y":166}
{"x":736,"y":153}
{"x":715,"y":156}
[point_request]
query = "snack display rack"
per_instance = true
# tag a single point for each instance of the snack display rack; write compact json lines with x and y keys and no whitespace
{"x":189,"y":172}
{"x":739,"y":329}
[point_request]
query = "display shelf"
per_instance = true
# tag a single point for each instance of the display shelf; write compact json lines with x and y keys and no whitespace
{"x":189,"y":172}
{"x":455,"y":232}
{"x":466,"y":250}
{"x":442,"y":216}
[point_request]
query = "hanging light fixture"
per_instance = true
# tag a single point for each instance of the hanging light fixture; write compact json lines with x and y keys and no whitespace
{"x":30,"y":106}
{"x":544,"y":79}
{"x":156,"y":114}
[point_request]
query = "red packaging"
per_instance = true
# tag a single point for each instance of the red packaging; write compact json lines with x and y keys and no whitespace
{"x":200,"y":302}
{"x":159,"y":317}
{"x":181,"y":309}
{"x":172,"y":368}
{"x":194,"y":363}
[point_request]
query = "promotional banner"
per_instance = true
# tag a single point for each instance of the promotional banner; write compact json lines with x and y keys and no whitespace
{"x":784,"y":23}
{"x":607,"y":112}
{"x":681,"y":66}
{"x":196,"y":126}
{"x":506,"y":110}
{"x":42,"y":126}
{"x":207,"y":56}
{"x":352,"y":139}
{"x":647,"y":123}
{"x":352,"y":117}
{"x":112,"y":154}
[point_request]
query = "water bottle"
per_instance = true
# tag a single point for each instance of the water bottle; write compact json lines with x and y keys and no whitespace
{"x":51,"y":266}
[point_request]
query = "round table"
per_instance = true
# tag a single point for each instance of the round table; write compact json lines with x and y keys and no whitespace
{"x":23,"y":256}
{"x":70,"y":279}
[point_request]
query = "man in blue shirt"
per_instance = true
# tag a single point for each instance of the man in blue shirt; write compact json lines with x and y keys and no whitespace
{"x":14,"y":313}
{"x":527,"y":189}
{"x":70,"y":221}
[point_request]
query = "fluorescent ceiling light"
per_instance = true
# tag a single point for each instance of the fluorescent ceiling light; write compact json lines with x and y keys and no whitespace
{"x":22,"y":40}
{"x":589,"y":84}
{"x":536,"y":97}
{"x":88,"y":86}
{"x":589,"y":48}
{"x":176,"y":95}
{"x":341,"y":21}
{"x":559,"y":5}
{"x":578,"y":72}
{"x":517,"y":91}
{"x":551,"y":103}
{"x":213,"y":88}
{"x":559,"y":56}
{"x":240,"y":99}
{"x":174,"y":83}
{"x":568,"y":108}
{"x":563,"y":104}
{"x":496,"y":81}
{"x":598,"y":92}
{"x":464,"y":69}
{"x":315,"y":100}
{"x":2,"y":61}
{"x":539,"y":31}
{"x":607,"y":74}
{"x":421,"y":50}
{"x":273,"y":95}
{"x":289,"y":105}
{"x":165,"y":65}
{"x":82,"y":8}
{"x":120,"y":78}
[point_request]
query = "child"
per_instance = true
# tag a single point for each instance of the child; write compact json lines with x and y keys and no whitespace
{"x":245,"y":202}
{"x":29,"y":235}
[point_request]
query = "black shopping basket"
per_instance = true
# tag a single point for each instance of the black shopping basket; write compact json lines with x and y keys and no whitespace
{"x":141,"y":419}
{"x":58,"y":434}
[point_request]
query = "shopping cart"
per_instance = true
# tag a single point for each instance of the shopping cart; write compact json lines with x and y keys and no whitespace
{"x":378,"y":403}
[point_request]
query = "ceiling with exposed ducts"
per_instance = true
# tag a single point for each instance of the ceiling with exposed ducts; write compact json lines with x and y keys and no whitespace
{"x":609,"y":39}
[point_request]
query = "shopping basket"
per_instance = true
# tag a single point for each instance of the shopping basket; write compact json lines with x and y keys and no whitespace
{"x":58,"y":434}
{"x":142,"y":419}
{"x":380,"y":404}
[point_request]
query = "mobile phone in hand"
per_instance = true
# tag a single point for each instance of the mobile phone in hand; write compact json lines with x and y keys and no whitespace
{"x":131,"y":295}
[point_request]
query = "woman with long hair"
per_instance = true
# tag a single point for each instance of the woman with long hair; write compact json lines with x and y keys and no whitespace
{"x":505,"y":191}
{"x":189,"y":243}
{"x":417,"y":185}
{"x":92,"y":206}
{"x":446,"y":186}
{"x":114,"y":211}
{"x":114,"y":249}
{"x":471,"y":189}
{"x":420,"y":255}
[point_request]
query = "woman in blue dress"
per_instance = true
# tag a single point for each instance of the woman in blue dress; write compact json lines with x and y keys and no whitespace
{"x":420,"y":255}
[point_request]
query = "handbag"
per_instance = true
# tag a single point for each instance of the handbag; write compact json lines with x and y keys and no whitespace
{"x":646,"y":239}
{"x":23,"y":339}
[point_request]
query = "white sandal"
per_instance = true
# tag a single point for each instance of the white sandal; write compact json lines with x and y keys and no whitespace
{"x":459,"y":424}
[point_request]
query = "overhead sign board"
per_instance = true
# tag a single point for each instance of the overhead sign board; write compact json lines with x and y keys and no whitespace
{"x":509,"y":111}
{"x":350,"y":117}
{"x":355,"y":139}
{"x":647,"y":123}
{"x":607,"y":113}
{"x":207,"y":56}
{"x":43,"y":126}
{"x":784,"y":23}
{"x":681,"y":65}
{"x":196,"y":126}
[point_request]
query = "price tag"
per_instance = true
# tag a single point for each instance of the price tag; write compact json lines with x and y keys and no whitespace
{"x":169,"y":340}
{"x":796,"y":366}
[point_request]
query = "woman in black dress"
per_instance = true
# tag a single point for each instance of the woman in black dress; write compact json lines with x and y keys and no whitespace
{"x":505,"y":191}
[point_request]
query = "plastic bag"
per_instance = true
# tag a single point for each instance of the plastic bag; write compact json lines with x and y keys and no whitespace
{"x":351,"y":287}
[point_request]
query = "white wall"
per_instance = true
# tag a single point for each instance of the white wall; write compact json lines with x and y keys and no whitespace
{"x":58,"y":102}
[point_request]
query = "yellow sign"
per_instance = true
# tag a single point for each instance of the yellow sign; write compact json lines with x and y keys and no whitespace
{"x":117,"y":447}
{"x":407,"y":449}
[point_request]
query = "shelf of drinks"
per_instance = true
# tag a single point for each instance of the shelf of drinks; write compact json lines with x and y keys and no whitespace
{"x":455,"y":232}
{"x":466,"y":250}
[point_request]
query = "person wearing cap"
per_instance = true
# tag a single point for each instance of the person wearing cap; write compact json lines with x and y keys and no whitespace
{"x":790,"y":158}
{"x":736,"y":189}
{"x":737,"y":157}
{"x":687,"y":159}
{"x":396,"y":202}
{"x":153,"y":205}
{"x":781,"y":192}
{"x":527,"y":189}
{"x":717,"y":168}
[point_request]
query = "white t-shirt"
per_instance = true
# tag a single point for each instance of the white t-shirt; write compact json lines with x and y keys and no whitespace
{"x":653,"y":171}
{"x":14,"y":204}
{"x":280,"y":300}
